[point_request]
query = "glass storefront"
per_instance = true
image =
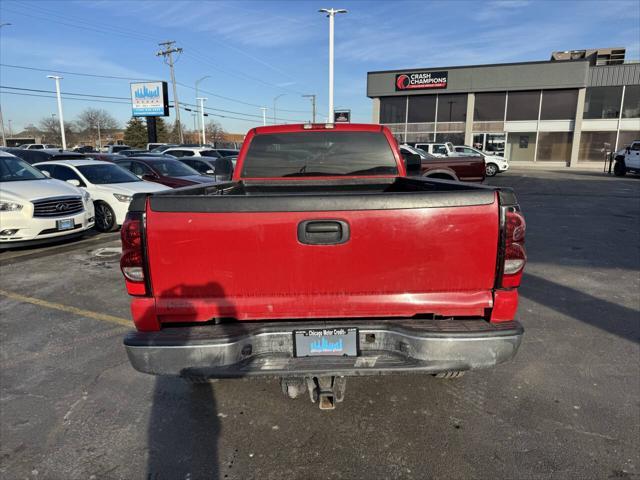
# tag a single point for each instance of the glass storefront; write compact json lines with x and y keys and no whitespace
{"x":452,"y":107}
{"x":489,"y":107}
{"x":523,"y":105}
{"x":554,"y":146}
{"x":594,"y":144}
{"x":422,"y":108}
{"x":559,"y":104}
{"x":602,"y":102}
{"x":631,"y":107}
{"x":627,"y":137}
{"x":520,"y":146}
{"x":457,"y":138}
{"x":492,"y":143}
{"x":393,"y":109}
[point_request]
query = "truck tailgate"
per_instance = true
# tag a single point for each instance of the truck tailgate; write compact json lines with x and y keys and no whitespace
{"x":252,"y":265}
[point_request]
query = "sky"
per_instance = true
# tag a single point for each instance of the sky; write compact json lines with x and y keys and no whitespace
{"x":254,"y":51}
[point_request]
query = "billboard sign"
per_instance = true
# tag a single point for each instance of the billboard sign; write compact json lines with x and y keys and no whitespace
{"x":342,"y":116}
{"x":149,"y":99}
{"x":421,"y":80}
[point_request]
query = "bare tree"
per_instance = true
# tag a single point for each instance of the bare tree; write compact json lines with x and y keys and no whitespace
{"x":214,"y":132}
{"x":92,"y":119}
{"x":50,"y":126}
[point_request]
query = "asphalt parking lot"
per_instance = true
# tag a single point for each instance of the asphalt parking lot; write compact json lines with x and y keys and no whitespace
{"x":568,"y":406}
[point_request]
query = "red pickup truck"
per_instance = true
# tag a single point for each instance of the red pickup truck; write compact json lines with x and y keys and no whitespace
{"x":321,"y":260}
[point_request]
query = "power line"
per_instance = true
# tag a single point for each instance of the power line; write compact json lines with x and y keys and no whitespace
{"x":64,"y":93}
{"x":66,"y":98}
{"x":49,"y":70}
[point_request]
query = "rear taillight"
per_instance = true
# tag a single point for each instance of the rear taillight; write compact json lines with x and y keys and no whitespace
{"x":515,"y":256}
{"x":131,"y":261}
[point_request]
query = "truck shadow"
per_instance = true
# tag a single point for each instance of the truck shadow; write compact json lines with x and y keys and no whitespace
{"x":184,"y":426}
{"x":610,"y":317}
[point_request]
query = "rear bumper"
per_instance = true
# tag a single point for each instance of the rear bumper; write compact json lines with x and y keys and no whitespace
{"x":386,"y":346}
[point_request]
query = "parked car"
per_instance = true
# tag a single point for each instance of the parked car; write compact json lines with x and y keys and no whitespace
{"x":105,"y":157}
{"x":131,"y":152}
{"x":37,"y":146}
{"x":227,"y":152}
{"x":220,"y":169}
{"x":464,"y":169}
{"x":335,"y":264}
{"x":35,"y":209}
{"x":437,"y":149}
{"x":152,"y":146}
{"x":493,"y":163}
{"x":629,"y":161}
{"x":35,"y":156}
{"x":110,"y":186}
{"x":116,"y":148}
{"x":163,"y":147}
{"x":182,"y":151}
{"x":163,"y":170}
{"x":85,"y":149}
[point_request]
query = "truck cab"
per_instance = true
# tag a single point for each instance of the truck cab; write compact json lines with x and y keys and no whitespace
{"x":629,"y":160}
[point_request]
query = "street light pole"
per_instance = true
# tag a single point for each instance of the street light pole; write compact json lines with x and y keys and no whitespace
{"x":313,"y":107}
{"x":198,"y":83}
{"x":60,"y":117}
{"x":331,"y":13}
{"x":204,"y":140}
{"x":275,"y":117}
{"x":264,"y":115}
{"x":4,"y":138}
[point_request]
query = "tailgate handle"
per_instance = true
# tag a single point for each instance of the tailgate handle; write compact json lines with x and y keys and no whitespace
{"x":323,"y":232}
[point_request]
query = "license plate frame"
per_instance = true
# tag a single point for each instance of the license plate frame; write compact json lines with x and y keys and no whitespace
{"x":65,"y":224}
{"x":326,"y":342}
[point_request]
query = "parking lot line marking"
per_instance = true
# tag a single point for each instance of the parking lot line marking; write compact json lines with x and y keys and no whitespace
{"x":67,"y":308}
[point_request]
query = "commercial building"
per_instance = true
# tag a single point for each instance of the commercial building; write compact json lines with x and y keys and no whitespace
{"x":569,"y":109}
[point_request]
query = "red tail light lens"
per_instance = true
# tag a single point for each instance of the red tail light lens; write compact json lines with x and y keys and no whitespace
{"x":515,"y":256}
{"x":131,"y":261}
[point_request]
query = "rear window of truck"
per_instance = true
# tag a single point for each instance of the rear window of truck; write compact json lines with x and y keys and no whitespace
{"x":323,"y":153}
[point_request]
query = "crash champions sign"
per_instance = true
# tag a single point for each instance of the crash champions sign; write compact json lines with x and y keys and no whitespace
{"x":421,"y":80}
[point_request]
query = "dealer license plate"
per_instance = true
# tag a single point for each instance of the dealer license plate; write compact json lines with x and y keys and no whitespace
{"x":326,"y":342}
{"x":65,"y":224}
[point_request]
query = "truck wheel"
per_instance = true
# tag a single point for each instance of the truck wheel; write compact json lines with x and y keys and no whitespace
{"x":105,"y":217}
{"x":449,"y":375}
{"x":619,"y":169}
{"x":491,"y":169}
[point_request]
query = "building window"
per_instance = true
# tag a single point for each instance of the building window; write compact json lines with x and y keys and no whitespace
{"x":631,"y":107}
{"x":452,"y":108}
{"x":489,"y":107}
{"x":422,"y":108}
{"x":393,"y":109}
{"x":593,"y":145}
{"x":523,"y":106}
{"x":626,"y":138}
{"x":559,"y":105}
{"x":554,"y":146}
{"x":455,"y":138}
{"x":602,"y":102}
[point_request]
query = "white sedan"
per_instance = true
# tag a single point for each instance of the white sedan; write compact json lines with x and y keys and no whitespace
{"x":493,"y":164}
{"x":111,"y":187}
{"x":36,"y":209}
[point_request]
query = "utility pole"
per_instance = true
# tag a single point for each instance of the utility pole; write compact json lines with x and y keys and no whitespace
{"x":313,"y":107}
{"x":198,"y":83}
{"x":99,"y":138}
{"x":201,"y":99}
{"x":331,"y":13}
{"x":62,"y":134}
{"x":167,"y":53}
{"x":4,"y":139}
{"x":264,"y":115}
